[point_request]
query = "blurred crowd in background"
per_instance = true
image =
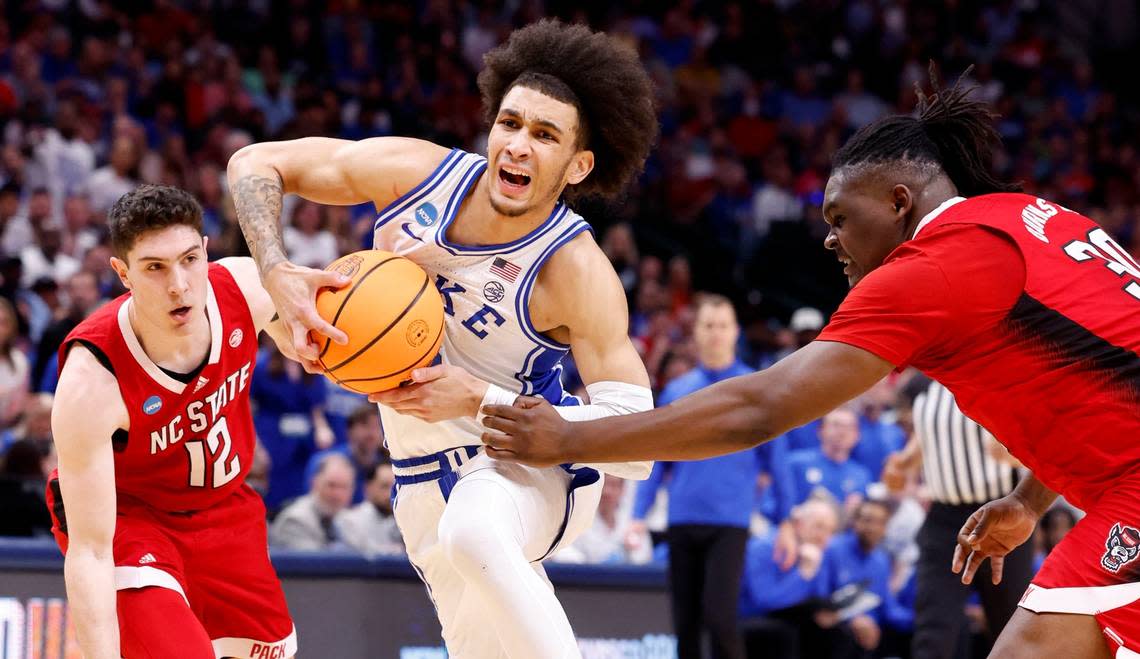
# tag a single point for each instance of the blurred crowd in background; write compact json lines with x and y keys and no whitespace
{"x":98,"y":97}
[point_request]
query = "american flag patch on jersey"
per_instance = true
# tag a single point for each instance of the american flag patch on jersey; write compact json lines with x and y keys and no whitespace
{"x":505,"y":269}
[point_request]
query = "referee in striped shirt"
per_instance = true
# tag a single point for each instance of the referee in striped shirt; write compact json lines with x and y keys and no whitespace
{"x":963,"y":467}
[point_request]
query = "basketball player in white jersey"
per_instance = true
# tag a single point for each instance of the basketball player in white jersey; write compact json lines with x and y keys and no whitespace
{"x":523,"y":282}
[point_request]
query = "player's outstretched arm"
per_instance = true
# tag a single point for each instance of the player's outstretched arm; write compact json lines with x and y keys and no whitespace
{"x":580,"y":295}
{"x":87,"y":411}
{"x":729,"y":416}
{"x":327,"y":171}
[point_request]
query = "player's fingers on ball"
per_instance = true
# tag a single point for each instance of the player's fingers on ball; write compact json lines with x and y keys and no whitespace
{"x":321,"y":326}
{"x":311,"y":366}
{"x":304,"y":348}
{"x":330,"y":279}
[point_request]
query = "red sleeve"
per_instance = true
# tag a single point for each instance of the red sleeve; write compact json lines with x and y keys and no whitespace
{"x":932,"y":293}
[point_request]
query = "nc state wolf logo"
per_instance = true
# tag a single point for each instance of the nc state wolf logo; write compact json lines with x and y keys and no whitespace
{"x":1123,"y":545}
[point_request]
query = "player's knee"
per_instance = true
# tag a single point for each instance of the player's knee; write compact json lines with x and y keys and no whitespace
{"x":468,"y":541}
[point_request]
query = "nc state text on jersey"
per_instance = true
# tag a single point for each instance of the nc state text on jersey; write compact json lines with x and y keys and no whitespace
{"x":198,"y":410}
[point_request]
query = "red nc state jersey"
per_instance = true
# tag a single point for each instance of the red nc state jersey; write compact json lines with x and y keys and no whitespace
{"x":188,"y":445}
{"x":1053,"y":370}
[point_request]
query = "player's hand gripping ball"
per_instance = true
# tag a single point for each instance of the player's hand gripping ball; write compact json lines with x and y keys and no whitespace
{"x":393,"y":317}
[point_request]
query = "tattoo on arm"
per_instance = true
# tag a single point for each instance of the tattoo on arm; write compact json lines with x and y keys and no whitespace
{"x":257,"y":200}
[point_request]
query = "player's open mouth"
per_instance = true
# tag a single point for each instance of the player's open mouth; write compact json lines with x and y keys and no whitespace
{"x":513,"y":180}
{"x":181,"y":313}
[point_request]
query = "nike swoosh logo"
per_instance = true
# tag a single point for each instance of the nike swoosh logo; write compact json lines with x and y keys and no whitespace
{"x":408,"y":231}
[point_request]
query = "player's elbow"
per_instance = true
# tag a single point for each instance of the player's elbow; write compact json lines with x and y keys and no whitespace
{"x":250,"y":159}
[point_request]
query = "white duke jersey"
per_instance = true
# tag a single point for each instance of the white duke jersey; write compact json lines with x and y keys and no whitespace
{"x":485,"y":289}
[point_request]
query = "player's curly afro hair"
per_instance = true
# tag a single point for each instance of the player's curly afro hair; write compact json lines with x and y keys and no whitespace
{"x":597,"y":74}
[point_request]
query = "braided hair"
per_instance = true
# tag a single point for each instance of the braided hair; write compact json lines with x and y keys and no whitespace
{"x":949,"y":130}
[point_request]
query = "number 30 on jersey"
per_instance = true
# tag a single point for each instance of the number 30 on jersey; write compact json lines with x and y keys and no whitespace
{"x":1099,"y":245}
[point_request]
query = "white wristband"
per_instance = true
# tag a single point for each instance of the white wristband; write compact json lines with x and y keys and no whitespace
{"x":495,"y":395}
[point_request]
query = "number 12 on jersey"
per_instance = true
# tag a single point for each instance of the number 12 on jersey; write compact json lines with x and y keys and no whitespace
{"x":200,"y":450}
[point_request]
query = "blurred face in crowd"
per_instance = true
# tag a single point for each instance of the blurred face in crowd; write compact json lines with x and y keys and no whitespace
{"x":83,"y":291}
{"x":612,"y":490}
{"x":39,"y":206}
{"x":815,"y":522}
{"x":123,"y":155}
{"x":9,"y":204}
{"x":166,"y":271}
{"x":333,"y":485}
{"x":869,"y":218}
{"x":715,"y":332}
{"x":870,"y":524}
{"x":8,"y":325}
{"x":533,"y":152}
{"x":365,"y":437}
{"x":77,"y":213}
{"x":379,"y":490}
{"x":838,"y":434}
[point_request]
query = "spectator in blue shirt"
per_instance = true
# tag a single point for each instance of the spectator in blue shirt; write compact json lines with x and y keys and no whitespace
{"x":340,"y":403}
{"x":830,"y":466}
{"x":364,"y":449}
{"x":775,"y":601}
{"x":710,"y":501}
{"x":289,"y":422}
{"x":856,"y":563}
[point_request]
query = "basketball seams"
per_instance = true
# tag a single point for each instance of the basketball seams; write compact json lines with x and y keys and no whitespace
{"x":397,"y":319}
{"x":433,"y":348}
{"x":347,"y":296}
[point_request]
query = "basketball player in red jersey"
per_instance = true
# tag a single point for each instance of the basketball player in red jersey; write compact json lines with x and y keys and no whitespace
{"x":1026,"y":310}
{"x":165,"y":544}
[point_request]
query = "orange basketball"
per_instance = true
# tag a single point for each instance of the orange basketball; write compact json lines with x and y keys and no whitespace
{"x":392,"y":315}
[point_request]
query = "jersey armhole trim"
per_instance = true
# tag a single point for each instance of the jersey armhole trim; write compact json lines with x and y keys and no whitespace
{"x":421,"y":190}
{"x":95,"y":350}
{"x":522,"y":298}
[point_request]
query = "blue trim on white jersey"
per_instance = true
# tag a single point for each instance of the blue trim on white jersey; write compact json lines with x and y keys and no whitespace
{"x":522,"y":297}
{"x":422,"y":189}
{"x":452,"y":209}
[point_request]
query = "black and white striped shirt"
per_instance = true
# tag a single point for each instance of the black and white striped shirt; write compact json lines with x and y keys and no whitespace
{"x":957,"y":467}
